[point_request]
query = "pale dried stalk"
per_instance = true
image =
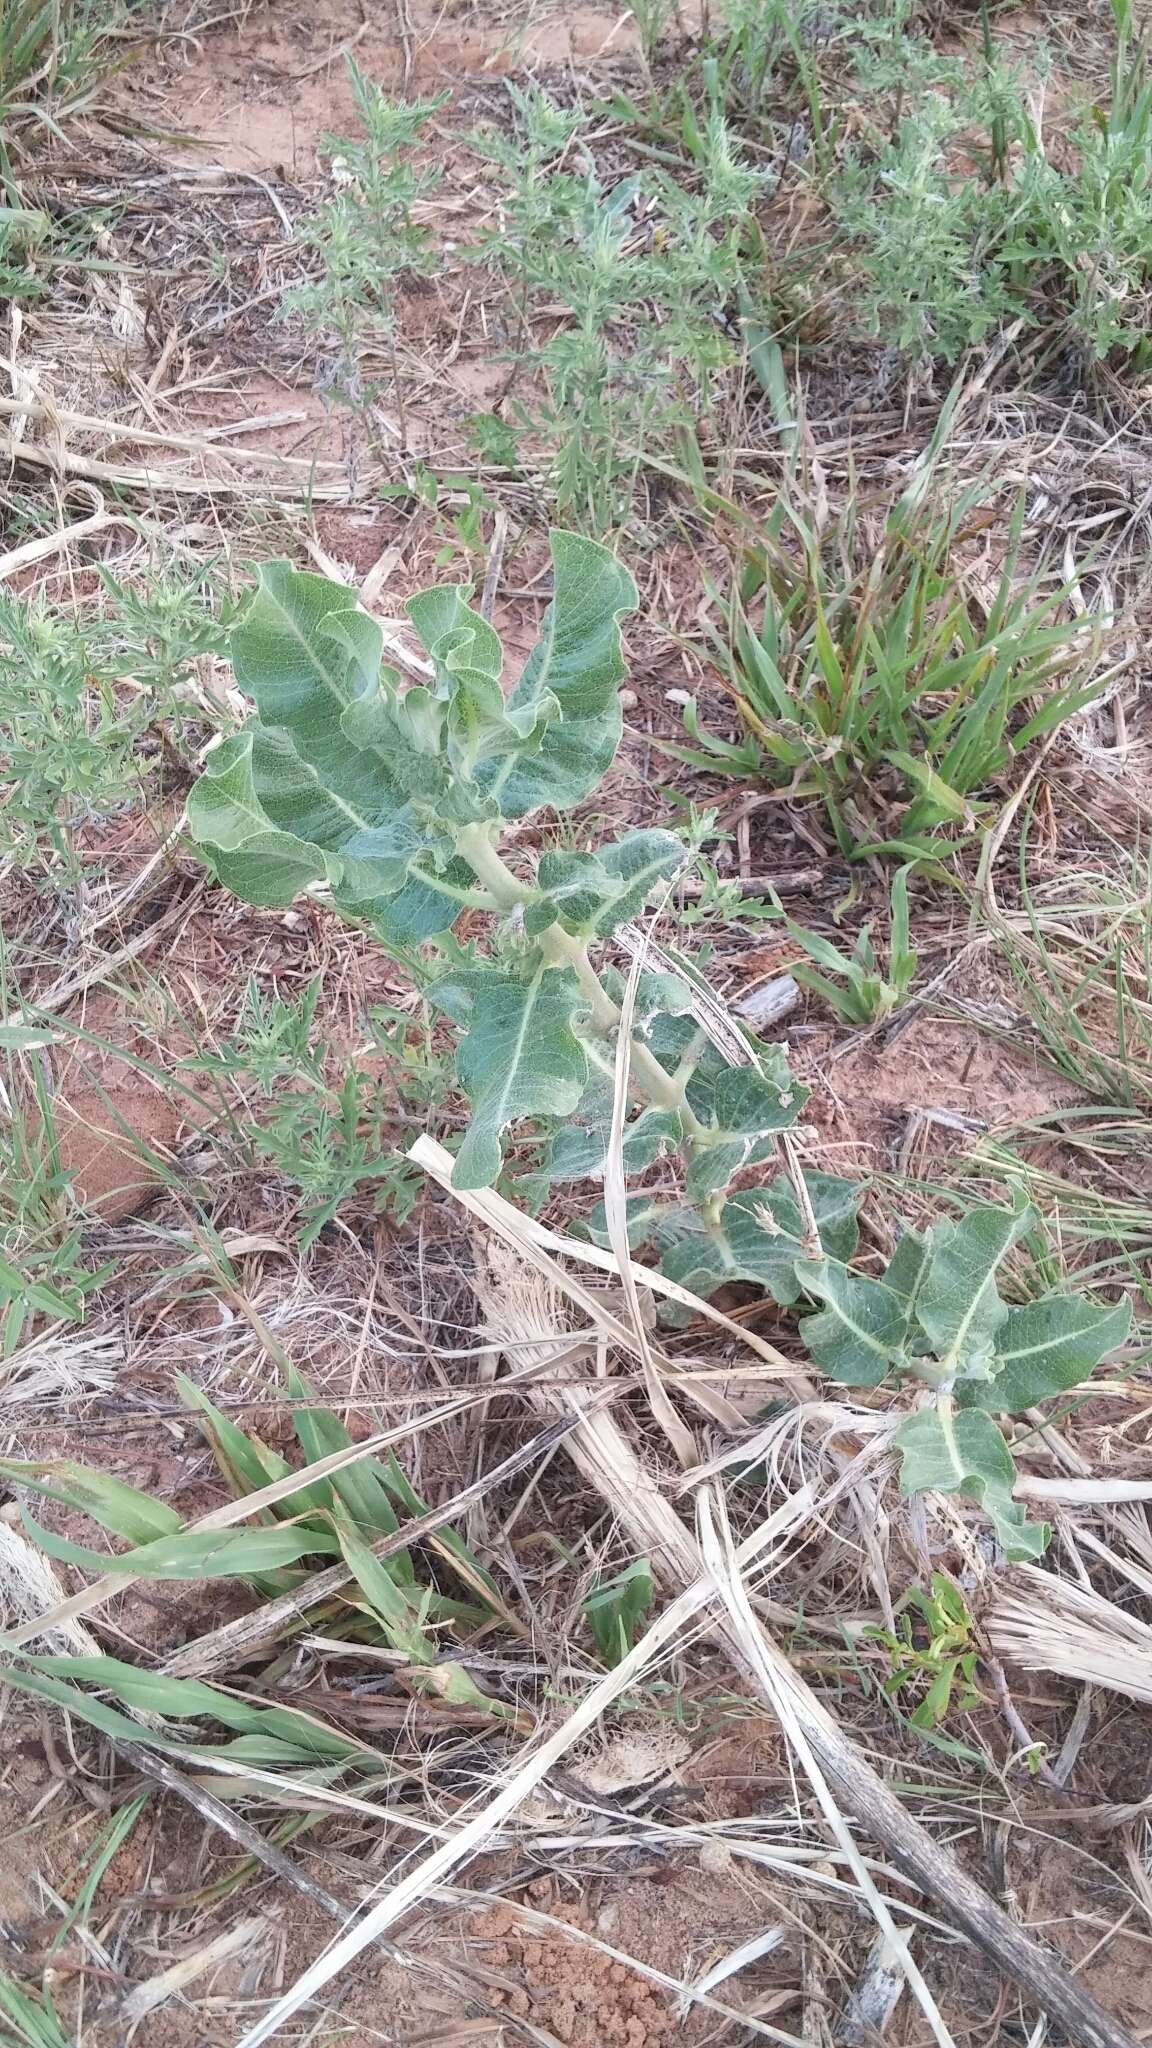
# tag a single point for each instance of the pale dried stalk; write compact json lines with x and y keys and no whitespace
{"x":1046,"y":1624}
{"x":658,"y":1532}
{"x":421,"y":1882}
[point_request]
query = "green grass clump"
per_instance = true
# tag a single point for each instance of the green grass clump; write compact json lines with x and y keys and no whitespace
{"x":870,"y":677}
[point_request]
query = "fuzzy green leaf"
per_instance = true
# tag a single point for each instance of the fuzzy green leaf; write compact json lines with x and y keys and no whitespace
{"x":578,"y":1150}
{"x":590,"y":894}
{"x":347,"y":780}
{"x":958,"y":1306}
{"x":1045,"y":1348}
{"x":965,"y":1453}
{"x":861,"y":1331}
{"x":576,"y":662}
{"x":521,"y":1056}
{"x":759,"y":1237}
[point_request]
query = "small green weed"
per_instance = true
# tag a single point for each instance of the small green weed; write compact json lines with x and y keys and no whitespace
{"x":616,"y":1610}
{"x":946,"y":1664}
{"x":77,"y":700}
{"x":647,"y":273}
{"x":961,"y":220}
{"x":43,"y":1269}
{"x":327,"y":1138}
{"x":367,"y":240}
{"x":860,"y":994}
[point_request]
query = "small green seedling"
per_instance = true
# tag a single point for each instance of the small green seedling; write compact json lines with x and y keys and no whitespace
{"x":867,"y":996}
{"x":946,"y":1662}
{"x":616,"y":1610}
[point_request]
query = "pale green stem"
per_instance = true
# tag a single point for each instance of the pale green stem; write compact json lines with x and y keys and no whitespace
{"x":562,"y":950}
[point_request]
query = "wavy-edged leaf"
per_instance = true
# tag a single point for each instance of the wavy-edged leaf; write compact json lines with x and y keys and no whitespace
{"x":947,"y":1452}
{"x":590,"y":894}
{"x":304,"y":651}
{"x":577,"y":1151}
{"x":578,"y":663}
{"x":521,"y":1056}
{"x":861,"y":1331}
{"x":467,"y":656}
{"x":958,"y":1306}
{"x":742,"y":1108}
{"x":759,"y":1237}
{"x":1045,"y":1348}
{"x":429,"y":903}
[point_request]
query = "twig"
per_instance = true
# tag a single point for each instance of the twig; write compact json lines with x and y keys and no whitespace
{"x":239,"y":1830}
{"x":495,"y":563}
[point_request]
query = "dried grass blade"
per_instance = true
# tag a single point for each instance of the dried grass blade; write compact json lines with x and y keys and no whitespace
{"x":419,"y":1883}
{"x":531,"y":1239}
{"x":616,"y":1214}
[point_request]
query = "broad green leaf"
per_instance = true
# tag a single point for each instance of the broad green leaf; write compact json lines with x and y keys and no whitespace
{"x":578,"y":1150}
{"x":591,"y":893}
{"x":759,"y":1237}
{"x":965,"y":1453}
{"x":521,"y":1056}
{"x":646,"y":1216}
{"x":1045,"y":1348}
{"x":958,"y":1306}
{"x":577,"y":662}
{"x":303,"y":652}
{"x":905,"y":1270}
{"x":428,"y":904}
{"x":122,"y":1509}
{"x":860,"y":1333}
{"x":195,"y":1553}
{"x":467,"y":655}
{"x":270,"y":826}
{"x":742,"y":1108}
